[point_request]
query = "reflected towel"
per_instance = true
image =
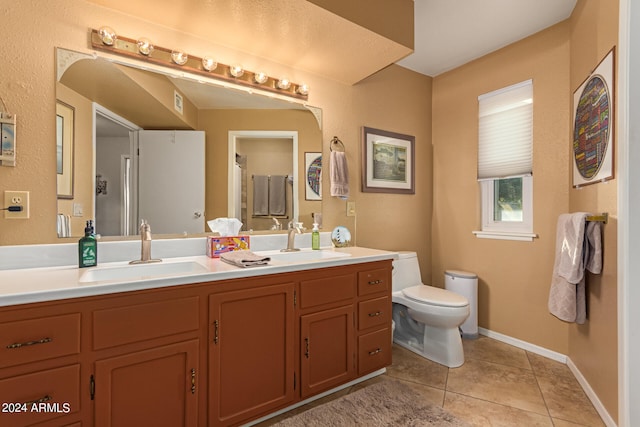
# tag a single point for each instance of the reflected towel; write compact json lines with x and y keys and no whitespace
{"x":339,"y":174}
{"x":277,"y":195}
{"x":260,"y":195}
{"x":244,"y":259}
{"x":64,"y":225}
{"x":578,"y":247}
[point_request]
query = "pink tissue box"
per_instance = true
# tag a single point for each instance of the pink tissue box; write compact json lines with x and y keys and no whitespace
{"x":218,"y":245}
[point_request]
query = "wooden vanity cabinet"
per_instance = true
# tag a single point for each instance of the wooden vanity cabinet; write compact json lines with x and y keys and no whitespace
{"x":251,"y":351}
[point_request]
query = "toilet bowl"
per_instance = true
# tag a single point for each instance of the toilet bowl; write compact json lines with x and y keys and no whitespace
{"x":427,"y":318}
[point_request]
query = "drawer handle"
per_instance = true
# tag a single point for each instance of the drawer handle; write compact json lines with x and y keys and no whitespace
{"x":41,"y":400}
{"x":306,"y":349}
{"x":29,"y":343}
{"x":375,"y":282}
{"x":376,"y":351}
{"x":376,"y":314}
{"x":193,"y":381}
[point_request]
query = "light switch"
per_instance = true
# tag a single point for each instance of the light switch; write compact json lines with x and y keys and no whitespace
{"x":351,"y":208}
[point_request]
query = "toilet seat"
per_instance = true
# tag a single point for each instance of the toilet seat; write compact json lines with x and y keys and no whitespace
{"x":434,"y":296}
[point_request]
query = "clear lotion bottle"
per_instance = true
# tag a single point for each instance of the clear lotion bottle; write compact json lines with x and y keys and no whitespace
{"x":88,"y":248}
{"x":315,"y":237}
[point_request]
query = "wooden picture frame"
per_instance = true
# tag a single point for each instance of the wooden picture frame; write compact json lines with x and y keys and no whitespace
{"x":65,"y":116}
{"x":388,"y":162}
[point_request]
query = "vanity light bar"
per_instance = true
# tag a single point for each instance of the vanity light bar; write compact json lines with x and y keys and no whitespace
{"x":158,"y":55}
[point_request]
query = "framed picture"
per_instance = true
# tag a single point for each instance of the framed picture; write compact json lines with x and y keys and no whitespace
{"x":64,"y":149}
{"x":593,"y":124}
{"x":313,"y":176}
{"x":388,"y":164}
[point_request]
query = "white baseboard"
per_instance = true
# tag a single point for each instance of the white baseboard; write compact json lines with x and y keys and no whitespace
{"x":591,"y":394}
{"x":597,"y":404}
{"x":559,"y":357}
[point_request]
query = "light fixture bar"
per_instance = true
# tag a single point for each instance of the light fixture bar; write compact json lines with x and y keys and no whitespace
{"x":127,"y":47}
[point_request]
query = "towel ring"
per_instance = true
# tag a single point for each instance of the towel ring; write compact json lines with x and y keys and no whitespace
{"x":336,"y":144}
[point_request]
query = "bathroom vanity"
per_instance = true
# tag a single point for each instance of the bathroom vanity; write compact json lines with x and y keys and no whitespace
{"x":213,"y":346}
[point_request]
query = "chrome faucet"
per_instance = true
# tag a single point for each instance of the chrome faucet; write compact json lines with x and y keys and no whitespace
{"x":145,"y":240}
{"x":294,"y":228}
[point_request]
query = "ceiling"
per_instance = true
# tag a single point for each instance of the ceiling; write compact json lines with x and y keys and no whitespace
{"x":450,"y":33}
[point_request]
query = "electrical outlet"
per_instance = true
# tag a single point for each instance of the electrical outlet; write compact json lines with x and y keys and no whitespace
{"x":16,"y":198}
{"x":351,"y":208}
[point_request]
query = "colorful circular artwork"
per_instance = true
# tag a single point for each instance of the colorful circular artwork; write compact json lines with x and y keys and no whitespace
{"x":314,"y":175}
{"x":592,"y":127}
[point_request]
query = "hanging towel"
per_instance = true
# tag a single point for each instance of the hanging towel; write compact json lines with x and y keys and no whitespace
{"x":277,"y":195}
{"x":339,"y":175}
{"x":260,"y":195}
{"x":578,"y":247}
{"x":64,"y":225}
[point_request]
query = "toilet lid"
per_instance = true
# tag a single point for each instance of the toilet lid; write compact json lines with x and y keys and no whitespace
{"x":435,"y":296}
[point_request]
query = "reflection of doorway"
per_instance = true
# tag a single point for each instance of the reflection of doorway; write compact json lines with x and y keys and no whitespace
{"x":274,"y":148}
{"x":114,"y":142}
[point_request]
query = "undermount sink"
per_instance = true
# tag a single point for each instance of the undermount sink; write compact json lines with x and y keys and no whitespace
{"x":303,"y":255}
{"x":141,"y":271}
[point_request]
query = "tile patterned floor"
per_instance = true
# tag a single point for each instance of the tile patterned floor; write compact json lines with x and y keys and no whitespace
{"x":498,"y":385}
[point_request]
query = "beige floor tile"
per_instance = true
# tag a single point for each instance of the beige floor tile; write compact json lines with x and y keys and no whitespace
{"x":563,"y":423}
{"x":432,"y":395}
{"x":544,"y":366}
{"x":490,"y":350}
{"x":567,"y":401}
{"x":410,"y":367}
{"x":480,"y":413}
{"x":506,"y":385}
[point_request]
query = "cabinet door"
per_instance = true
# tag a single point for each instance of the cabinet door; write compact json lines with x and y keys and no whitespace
{"x":155,"y":387}
{"x":327,"y":353}
{"x":251,"y":365}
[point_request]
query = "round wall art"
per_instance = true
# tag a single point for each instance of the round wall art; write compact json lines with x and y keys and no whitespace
{"x":593,"y":126}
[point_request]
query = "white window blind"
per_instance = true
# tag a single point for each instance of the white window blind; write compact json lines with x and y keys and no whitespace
{"x":506,"y":132}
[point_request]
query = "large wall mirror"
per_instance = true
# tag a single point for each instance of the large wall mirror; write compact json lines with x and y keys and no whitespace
{"x":155,"y":144}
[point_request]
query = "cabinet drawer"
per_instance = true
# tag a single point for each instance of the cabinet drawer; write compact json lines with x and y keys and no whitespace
{"x":326,"y":290}
{"x":39,"y":396}
{"x":374,"y":351}
{"x":373,"y":281}
{"x":39,"y":339}
{"x":133,"y":323}
{"x":374,"y":312}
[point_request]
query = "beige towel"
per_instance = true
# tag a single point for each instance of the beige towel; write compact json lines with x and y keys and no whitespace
{"x":260,"y":195}
{"x":277,"y":195}
{"x":578,"y":247}
{"x":339,"y":175}
{"x":244,"y":258}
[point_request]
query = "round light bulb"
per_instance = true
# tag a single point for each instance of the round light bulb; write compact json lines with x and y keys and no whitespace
{"x":260,"y":77}
{"x":303,"y":89}
{"x":107,"y":35}
{"x":209,"y":64}
{"x":284,"y":84}
{"x":145,"y":47}
{"x":236,"y":71}
{"x":179,"y":57}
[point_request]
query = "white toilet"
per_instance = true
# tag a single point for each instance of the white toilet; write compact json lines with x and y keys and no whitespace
{"x":426,"y":318}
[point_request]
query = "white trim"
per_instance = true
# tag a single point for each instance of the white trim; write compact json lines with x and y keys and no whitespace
{"x":550,"y":354}
{"x":505,"y":235}
{"x":559,"y":357}
{"x":489,"y":225}
{"x":593,"y":397}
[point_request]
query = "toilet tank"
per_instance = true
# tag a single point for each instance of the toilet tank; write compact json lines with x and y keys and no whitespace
{"x":406,"y":271}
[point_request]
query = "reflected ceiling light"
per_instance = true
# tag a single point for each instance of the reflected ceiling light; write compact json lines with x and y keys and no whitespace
{"x":107,"y":35}
{"x":179,"y":57}
{"x":303,"y":89}
{"x":236,"y":71}
{"x":209,"y":63}
{"x":145,"y":47}
{"x":260,"y":77}
{"x":284,"y":84}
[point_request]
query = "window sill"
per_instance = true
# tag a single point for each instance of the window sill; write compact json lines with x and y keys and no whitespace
{"x":505,"y":235}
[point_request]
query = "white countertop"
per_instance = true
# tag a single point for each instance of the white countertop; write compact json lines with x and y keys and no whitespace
{"x":28,"y":285}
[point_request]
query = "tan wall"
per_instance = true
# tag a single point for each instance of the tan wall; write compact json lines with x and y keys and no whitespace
{"x":514,"y":277}
{"x":593,"y":346}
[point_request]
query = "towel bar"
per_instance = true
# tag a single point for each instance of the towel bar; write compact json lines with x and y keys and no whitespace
{"x":604,"y":217}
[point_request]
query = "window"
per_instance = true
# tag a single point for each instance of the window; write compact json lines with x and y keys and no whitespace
{"x":505,"y":129}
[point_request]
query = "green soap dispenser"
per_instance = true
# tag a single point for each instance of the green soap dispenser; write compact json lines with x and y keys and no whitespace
{"x":88,"y":248}
{"x":315,"y":237}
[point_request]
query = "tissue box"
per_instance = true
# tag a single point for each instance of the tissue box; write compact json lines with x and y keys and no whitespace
{"x":217,"y":245}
